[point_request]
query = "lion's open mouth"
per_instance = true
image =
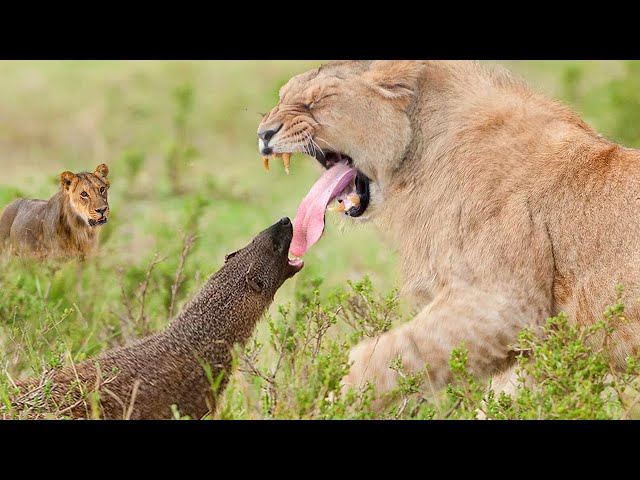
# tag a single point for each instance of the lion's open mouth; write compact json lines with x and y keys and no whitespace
{"x":341,"y":182}
{"x":97,"y":223}
{"x":354,"y":199}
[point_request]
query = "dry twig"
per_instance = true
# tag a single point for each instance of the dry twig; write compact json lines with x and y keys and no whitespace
{"x":187,"y":243}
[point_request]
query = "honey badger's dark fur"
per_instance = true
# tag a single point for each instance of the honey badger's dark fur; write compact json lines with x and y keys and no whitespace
{"x":142,"y":380}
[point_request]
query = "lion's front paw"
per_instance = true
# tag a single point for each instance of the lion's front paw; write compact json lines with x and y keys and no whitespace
{"x":369,"y":363}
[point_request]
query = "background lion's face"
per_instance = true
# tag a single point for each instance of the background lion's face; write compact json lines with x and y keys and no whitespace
{"x":87,"y":194}
{"x":352,"y":112}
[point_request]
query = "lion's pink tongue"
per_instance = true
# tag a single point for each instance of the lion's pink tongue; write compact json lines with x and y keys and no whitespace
{"x":309,"y":222}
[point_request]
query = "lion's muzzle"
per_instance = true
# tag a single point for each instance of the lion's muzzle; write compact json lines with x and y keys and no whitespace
{"x":265,"y":134}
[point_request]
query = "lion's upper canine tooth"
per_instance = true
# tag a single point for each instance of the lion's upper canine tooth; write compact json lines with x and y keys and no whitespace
{"x":354,"y":198}
{"x":339,"y":208}
{"x":286,"y":158}
{"x":265,"y":161}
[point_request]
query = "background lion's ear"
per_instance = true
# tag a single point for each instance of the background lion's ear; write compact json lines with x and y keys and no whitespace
{"x":102,"y":171}
{"x":66,"y":178}
{"x":394,"y":79}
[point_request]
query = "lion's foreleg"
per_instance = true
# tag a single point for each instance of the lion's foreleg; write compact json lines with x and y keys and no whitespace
{"x":487,"y":327}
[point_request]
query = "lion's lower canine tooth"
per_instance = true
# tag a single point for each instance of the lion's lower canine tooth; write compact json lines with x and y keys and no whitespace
{"x":354,"y":198}
{"x":265,"y":161}
{"x":286,"y":158}
{"x":339,"y":208}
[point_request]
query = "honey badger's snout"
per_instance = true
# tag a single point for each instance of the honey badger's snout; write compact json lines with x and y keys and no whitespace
{"x":279,"y":236}
{"x":282,"y":234}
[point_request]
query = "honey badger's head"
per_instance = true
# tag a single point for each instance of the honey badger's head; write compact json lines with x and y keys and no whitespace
{"x":264,"y":262}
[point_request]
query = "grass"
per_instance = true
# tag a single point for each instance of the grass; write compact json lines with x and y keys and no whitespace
{"x":179,"y":139}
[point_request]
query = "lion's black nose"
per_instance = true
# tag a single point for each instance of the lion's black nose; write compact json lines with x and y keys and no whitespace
{"x":101,"y":210}
{"x":268,"y":133}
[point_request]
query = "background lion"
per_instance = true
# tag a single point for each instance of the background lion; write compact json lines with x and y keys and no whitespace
{"x":506,"y":208}
{"x":66,"y":224}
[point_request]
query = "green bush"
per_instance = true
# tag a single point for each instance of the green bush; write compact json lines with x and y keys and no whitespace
{"x":294,"y":372}
{"x":565,"y":366}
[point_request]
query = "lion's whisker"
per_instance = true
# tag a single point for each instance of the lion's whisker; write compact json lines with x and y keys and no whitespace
{"x":316,"y":146}
{"x":296,"y":139}
{"x":322,"y":139}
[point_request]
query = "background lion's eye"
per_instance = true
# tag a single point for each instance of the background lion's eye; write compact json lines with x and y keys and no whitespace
{"x":84,"y":194}
{"x":102,"y":190}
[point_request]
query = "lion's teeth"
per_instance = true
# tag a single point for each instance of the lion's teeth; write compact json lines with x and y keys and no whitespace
{"x":286,"y":158}
{"x":354,"y":198}
{"x":265,"y":161}
{"x":338,"y":208}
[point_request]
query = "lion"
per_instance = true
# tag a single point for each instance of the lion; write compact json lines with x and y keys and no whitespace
{"x":505,"y":206}
{"x":66,"y":225}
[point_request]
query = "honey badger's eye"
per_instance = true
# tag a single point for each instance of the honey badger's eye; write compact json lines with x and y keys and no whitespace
{"x":84,"y":195}
{"x":255,"y":284}
{"x":102,"y":189}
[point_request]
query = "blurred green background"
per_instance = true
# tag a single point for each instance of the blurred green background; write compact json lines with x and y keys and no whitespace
{"x":179,"y":138}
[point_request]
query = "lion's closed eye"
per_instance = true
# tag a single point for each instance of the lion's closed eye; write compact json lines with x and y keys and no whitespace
{"x":320,"y":99}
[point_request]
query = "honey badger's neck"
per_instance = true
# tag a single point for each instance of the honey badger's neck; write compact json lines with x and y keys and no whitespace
{"x":221,"y":311}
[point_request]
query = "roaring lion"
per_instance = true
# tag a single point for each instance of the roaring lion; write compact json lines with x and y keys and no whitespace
{"x":66,"y":224}
{"x":505,"y":206}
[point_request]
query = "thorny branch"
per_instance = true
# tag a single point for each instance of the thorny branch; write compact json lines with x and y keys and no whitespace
{"x":142,"y":318}
{"x":187,"y":243}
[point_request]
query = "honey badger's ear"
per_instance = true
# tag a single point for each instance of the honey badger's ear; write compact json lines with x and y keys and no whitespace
{"x":254,"y":282}
{"x":229,"y":256}
{"x":66,"y":178}
{"x":394,"y":79}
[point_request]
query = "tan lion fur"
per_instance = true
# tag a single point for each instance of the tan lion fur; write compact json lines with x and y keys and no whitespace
{"x":505,"y":206}
{"x":58,"y":226}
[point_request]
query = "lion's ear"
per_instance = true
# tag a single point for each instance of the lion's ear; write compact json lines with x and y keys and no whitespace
{"x":102,"y":171}
{"x":394,"y":79}
{"x":66,"y":178}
